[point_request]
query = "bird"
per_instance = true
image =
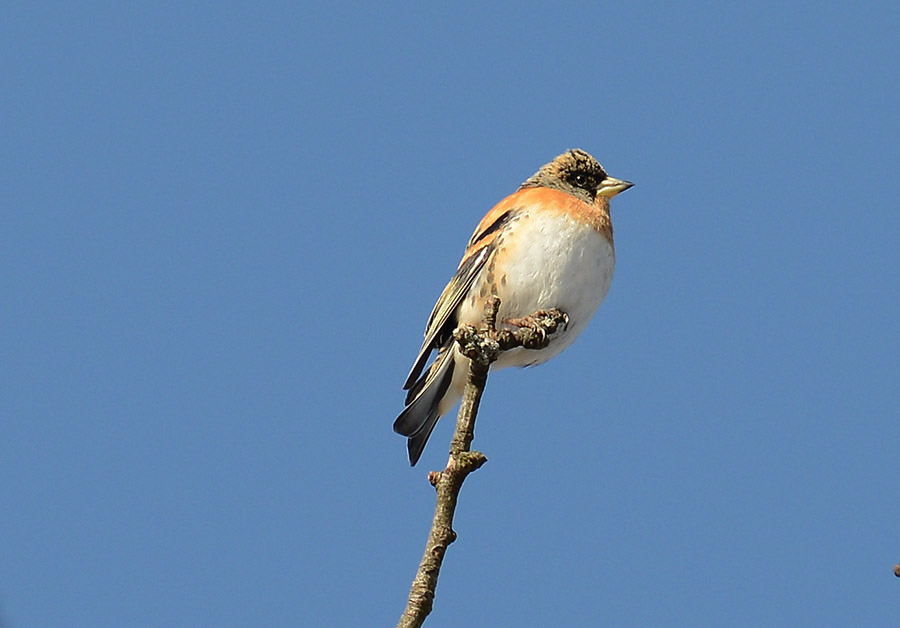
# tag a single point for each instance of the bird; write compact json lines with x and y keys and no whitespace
{"x":547,"y":245}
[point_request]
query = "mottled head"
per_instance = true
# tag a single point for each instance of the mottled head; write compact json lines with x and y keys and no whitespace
{"x":577,"y":173}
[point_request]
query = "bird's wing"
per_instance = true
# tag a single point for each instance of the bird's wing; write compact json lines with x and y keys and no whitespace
{"x":442,"y":321}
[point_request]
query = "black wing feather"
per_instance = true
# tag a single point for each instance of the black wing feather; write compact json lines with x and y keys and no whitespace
{"x":443,"y":318}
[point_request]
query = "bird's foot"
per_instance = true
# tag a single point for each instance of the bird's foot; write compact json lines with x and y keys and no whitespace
{"x":539,"y":326}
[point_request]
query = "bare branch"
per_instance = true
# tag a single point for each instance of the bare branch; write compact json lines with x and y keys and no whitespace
{"x":482,"y":346}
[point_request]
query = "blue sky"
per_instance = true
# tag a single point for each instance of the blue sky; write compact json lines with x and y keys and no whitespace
{"x":225,"y":225}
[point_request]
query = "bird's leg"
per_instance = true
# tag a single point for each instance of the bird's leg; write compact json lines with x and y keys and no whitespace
{"x":540,"y":324}
{"x":530,"y":321}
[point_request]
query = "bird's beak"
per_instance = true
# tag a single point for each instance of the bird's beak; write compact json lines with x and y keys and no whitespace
{"x":610,"y":186}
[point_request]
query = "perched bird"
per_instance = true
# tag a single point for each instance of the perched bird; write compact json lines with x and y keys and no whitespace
{"x":547,"y":245}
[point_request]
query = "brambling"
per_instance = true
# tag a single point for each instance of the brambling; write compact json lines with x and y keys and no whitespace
{"x":547,"y":245}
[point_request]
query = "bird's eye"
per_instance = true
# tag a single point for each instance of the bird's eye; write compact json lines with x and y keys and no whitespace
{"x":580,"y":179}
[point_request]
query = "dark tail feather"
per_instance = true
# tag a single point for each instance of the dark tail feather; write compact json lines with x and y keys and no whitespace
{"x":420,"y":416}
{"x":415,"y":445}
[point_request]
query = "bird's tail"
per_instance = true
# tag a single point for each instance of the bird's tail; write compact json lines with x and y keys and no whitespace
{"x":421,"y":414}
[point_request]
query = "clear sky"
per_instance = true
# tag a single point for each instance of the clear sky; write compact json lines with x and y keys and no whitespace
{"x":225,"y":224}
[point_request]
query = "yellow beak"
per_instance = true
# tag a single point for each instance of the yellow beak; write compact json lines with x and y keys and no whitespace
{"x":611,"y":186}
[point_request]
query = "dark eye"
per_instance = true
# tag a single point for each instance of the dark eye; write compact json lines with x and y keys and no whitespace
{"x":580,"y":179}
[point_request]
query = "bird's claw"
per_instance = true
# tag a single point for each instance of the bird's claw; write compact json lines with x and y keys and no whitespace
{"x":541,"y":324}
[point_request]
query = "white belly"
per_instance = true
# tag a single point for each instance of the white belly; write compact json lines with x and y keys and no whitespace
{"x":561,"y":263}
